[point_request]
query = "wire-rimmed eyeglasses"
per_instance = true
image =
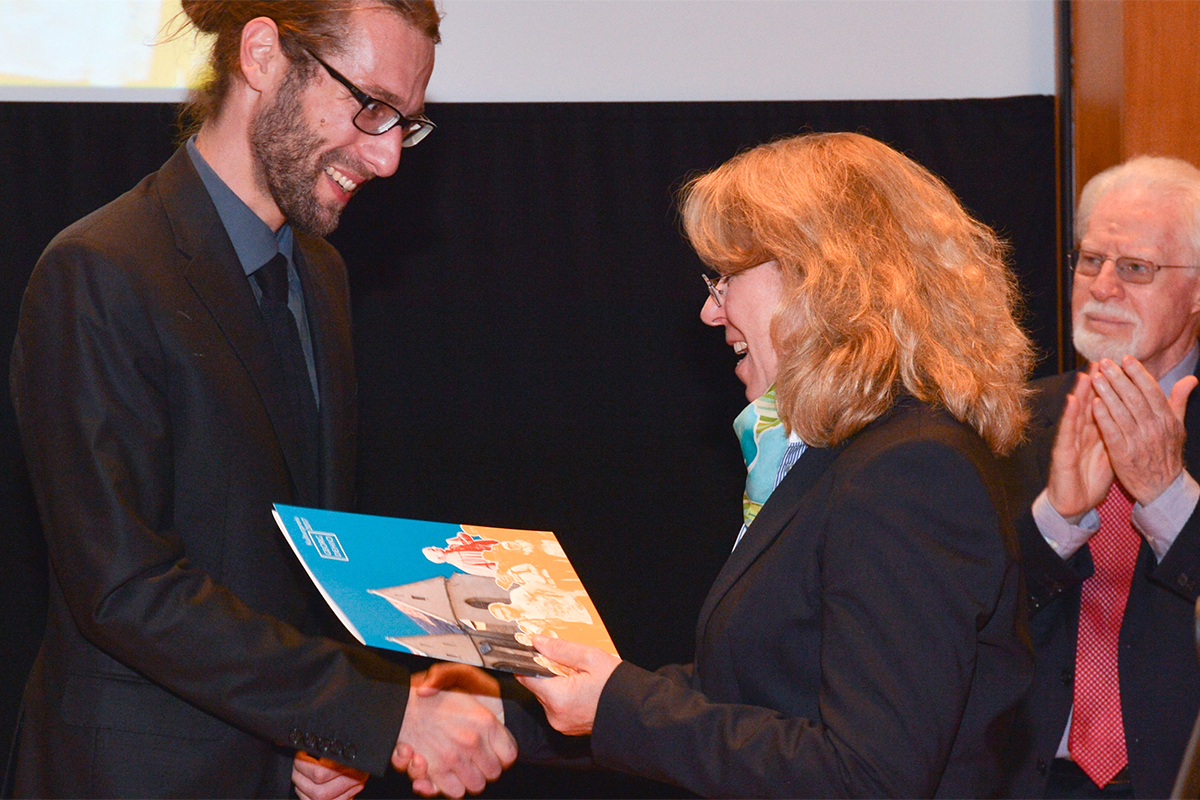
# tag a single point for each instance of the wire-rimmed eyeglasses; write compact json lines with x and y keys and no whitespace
{"x":714,"y":289}
{"x":1129,"y":270}
{"x":377,"y":117}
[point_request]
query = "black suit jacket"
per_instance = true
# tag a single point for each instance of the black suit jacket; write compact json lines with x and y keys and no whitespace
{"x":1159,"y":669}
{"x":862,"y":640}
{"x":183,"y":654}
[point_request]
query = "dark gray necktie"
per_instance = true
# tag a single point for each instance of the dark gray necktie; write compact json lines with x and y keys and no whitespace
{"x":273,"y":281}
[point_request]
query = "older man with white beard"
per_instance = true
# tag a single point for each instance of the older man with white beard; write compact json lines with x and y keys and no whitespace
{"x":1106,"y":506}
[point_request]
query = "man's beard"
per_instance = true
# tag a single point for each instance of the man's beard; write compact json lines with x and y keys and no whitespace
{"x":283,"y":146}
{"x":1094,"y":346}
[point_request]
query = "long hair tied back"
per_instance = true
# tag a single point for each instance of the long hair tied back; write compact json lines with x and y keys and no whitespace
{"x":315,"y":25}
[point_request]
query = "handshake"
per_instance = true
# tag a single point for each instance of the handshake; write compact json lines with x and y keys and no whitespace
{"x":452,"y":740}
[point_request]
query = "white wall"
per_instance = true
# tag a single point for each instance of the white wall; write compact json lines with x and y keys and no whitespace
{"x":605,"y":50}
{"x":598,"y":50}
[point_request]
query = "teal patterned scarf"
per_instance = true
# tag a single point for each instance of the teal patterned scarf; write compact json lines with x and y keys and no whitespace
{"x":764,"y":442}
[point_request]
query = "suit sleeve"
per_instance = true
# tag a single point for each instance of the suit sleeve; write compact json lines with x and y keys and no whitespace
{"x":1179,"y":571}
{"x":913,"y":567}
{"x":91,"y":392}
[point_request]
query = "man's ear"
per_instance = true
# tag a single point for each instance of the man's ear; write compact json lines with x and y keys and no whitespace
{"x":263,"y":61}
{"x":1195,"y":295}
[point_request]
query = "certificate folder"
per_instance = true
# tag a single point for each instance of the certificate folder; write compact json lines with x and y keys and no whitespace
{"x":461,"y":593}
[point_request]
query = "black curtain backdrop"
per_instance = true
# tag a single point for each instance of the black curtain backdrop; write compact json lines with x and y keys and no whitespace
{"x":528,"y":342}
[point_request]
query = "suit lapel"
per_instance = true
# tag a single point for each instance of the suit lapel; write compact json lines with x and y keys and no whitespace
{"x":332,"y":353}
{"x":1191,"y":414}
{"x":781,"y":507}
{"x":217,"y":277}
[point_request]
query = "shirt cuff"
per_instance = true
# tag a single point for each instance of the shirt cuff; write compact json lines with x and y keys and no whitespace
{"x":1162,"y":520}
{"x":1064,"y":538}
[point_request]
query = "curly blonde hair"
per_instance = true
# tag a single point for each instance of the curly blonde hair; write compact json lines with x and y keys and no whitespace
{"x":888,"y":285}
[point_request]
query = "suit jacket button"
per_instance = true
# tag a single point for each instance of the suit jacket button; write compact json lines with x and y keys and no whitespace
{"x":1184,"y":581}
{"x":337,"y":748}
{"x":295,"y":737}
{"x":310,"y":741}
{"x":351,"y":752}
{"x":1041,"y":766}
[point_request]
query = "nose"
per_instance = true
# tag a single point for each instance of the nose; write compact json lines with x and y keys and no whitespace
{"x":383,"y":152}
{"x":1107,"y":284}
{"x":711,"y":313}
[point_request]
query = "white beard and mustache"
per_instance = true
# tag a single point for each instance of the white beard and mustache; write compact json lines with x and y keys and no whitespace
{"x":1094,"y":346}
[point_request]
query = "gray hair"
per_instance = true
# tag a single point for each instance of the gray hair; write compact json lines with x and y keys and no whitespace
{"x":1169,"y":177}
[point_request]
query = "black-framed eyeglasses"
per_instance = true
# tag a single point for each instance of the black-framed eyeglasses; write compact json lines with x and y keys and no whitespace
{"x":1129,"y":270}
{"x":714,"y":289}
{"x":377,"y":117}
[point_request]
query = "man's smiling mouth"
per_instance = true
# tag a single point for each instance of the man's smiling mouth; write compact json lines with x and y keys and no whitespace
{"x":347,"y":184}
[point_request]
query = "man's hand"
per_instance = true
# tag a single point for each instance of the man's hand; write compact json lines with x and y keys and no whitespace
{"x":324,"y":779}
{"x":571,"y":701}
{"x":1080,"y":472}
{"x":1142,"y":429}
{"x":453,"y":738}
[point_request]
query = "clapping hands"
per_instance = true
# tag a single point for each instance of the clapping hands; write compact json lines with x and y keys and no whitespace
{"x":1117,"y":423}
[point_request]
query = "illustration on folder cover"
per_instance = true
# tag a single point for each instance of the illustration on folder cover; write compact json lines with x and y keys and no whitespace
{"x":452,"y":592}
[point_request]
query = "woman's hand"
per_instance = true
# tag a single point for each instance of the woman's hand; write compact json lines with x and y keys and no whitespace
{"x":571,"y":701}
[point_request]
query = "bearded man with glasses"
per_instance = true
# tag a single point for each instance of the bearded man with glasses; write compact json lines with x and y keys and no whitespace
{"x":1110,"y":535}
{"x":183,"y":360}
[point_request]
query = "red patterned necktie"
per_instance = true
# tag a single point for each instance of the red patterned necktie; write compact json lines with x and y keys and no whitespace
{"x":1097,"y":741}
